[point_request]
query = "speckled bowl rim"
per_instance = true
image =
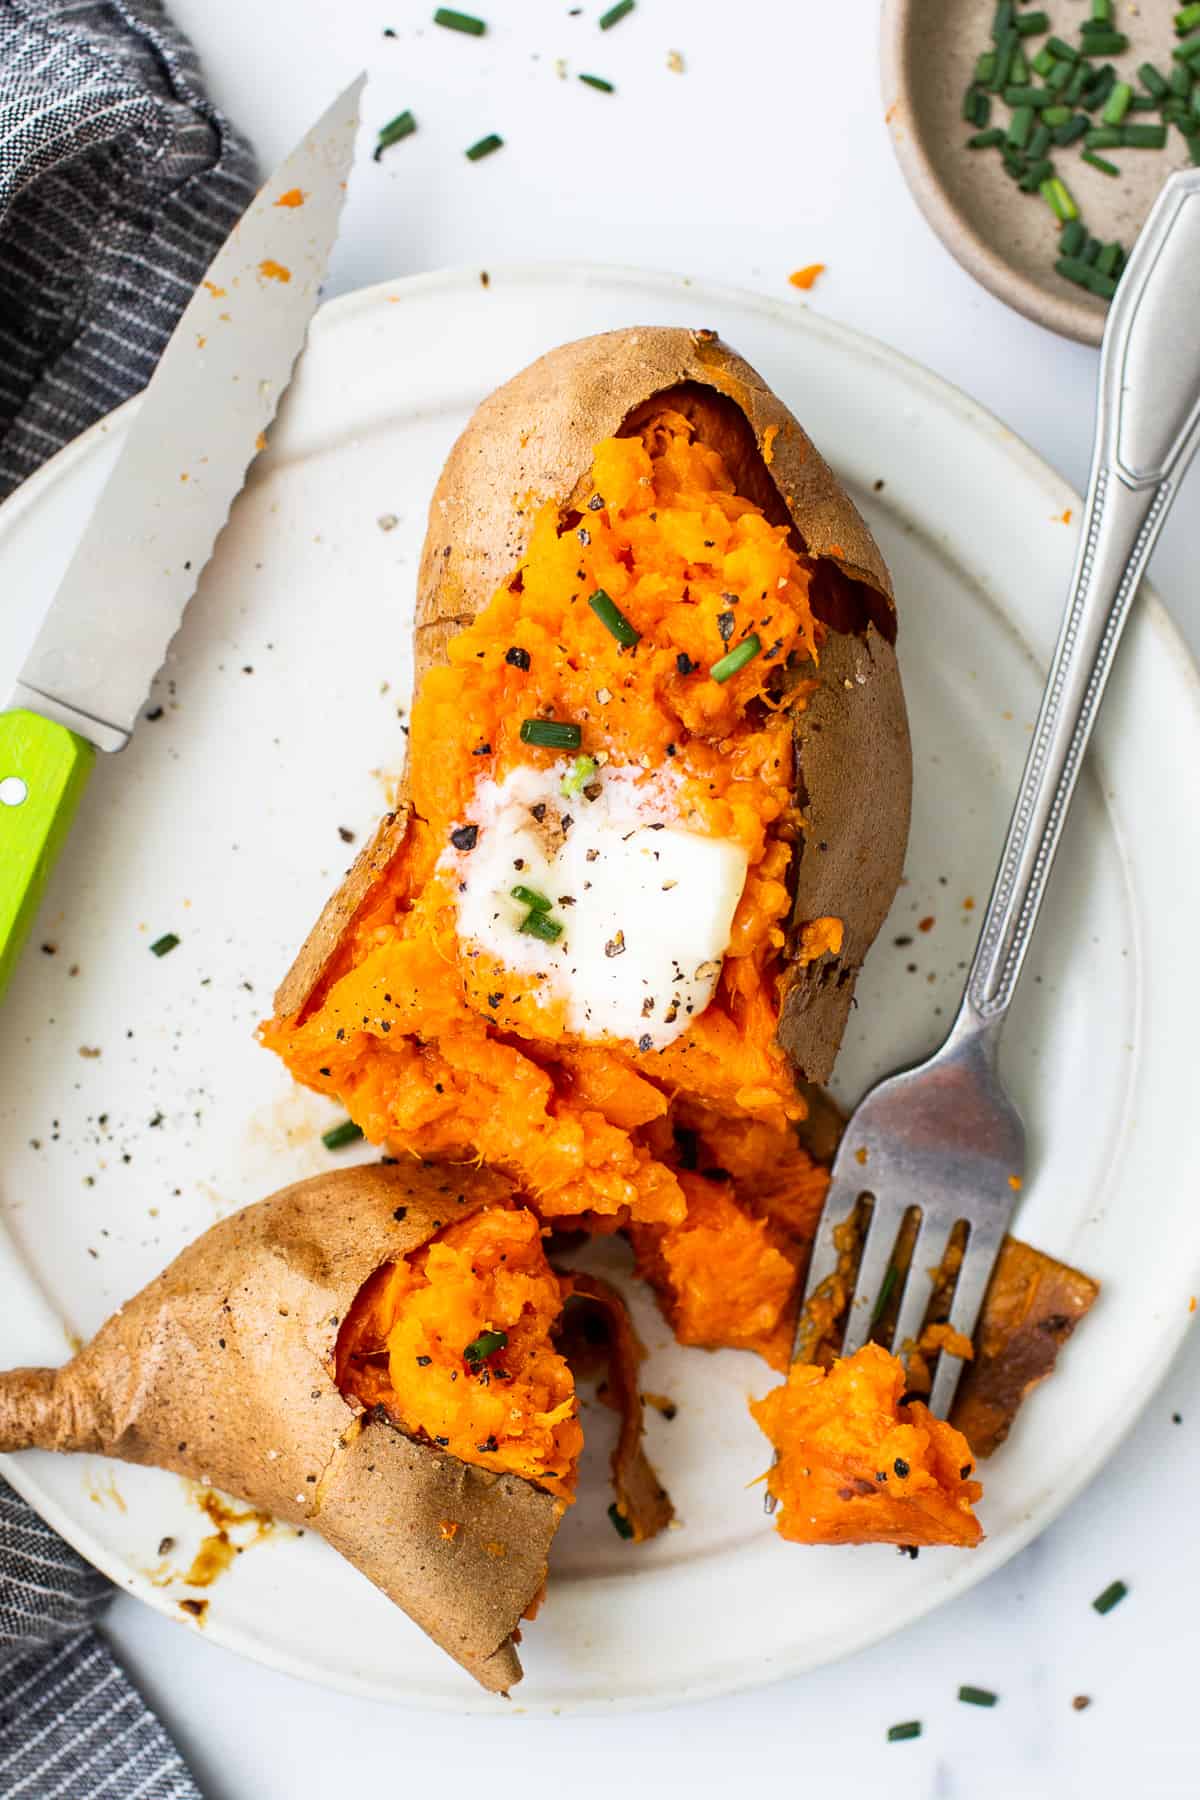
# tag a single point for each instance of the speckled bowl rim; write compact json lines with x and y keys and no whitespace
{"x":1072,"y":317}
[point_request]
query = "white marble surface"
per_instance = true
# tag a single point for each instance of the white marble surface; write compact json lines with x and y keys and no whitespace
{"x":770,"y":152}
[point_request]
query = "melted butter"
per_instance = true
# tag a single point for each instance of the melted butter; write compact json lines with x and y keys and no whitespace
{"x":644,"y":905}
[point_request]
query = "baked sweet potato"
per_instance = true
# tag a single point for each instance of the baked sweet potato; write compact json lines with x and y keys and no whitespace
{"x":635,"y":556}
{"x":369,"y":1354}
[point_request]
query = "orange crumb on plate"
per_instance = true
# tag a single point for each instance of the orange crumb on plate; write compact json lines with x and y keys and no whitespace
{"x":804,"y":278}
{"x":213,"y":289}
{"x":293,"y":197}
{"x":1015,"y":1183}
{"x":270,"y":270}
{"x":925,"y":924}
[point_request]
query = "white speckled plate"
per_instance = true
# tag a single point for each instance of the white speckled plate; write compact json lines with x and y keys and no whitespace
{"x":135,"y":1107}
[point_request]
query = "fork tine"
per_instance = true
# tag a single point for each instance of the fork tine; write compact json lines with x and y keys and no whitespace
{"x":840,"y":1202}
{"x":927,"y":1255}
{"x":983,"y":1247}
{"x":882,"y":1233}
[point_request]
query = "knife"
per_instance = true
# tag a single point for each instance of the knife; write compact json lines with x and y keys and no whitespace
{"x":197,"y":429}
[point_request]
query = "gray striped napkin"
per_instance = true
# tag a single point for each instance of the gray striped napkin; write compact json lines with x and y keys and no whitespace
{"x":118,"y":182}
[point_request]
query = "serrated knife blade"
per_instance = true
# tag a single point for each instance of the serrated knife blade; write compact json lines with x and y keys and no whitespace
{"x":199,"y":426}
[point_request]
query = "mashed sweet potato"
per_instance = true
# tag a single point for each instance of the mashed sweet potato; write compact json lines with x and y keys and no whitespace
{"x":444,"y":1053}
{"x":857,"y":1466}
{"x":454,"y":1342}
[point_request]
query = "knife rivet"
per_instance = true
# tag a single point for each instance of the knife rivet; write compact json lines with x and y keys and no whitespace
{"x":13,"y":791}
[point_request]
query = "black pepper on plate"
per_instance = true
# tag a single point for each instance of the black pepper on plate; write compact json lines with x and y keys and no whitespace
{"x":516,"y":658}
{"x":685,"y":665}
{"x":465,"y":837}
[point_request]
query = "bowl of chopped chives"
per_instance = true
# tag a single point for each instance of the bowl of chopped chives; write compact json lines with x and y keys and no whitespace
{"x":1035,"y":135}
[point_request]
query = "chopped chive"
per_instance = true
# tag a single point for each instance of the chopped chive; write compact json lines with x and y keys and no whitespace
{"x":985,"y":68}
{"x":1099,"y":162}
{"x":986,"y":140}
{"x":484,"y":147}
{"x":1080,"y":76}
{"x":1044,"y":61}
{"x":582,"y":771}
{"x":1097,"y":91}
{"x":1039,"y":143}
{"x":1031,"y":24}
{"x":1103,"y":137}
{"x":1055,"y":115}
{"x":459,"y":21}
{"x":1019,"y":127}
{"x":1143,"y":103}
{"x":1034,"y":175}
{"x":402,"y":126}
{"x":1186,"y":45}
{"x":1186,"y":18}
{"x":1106,"y":262}
{"x":485,"y":1345}
{"x":598,"y":81}
{"x":1180,"y":81}
{"x":1194,"y":101}
{"x":976,"y":107}
{"x":885,"y":1293}
{"x":1074,"y":237}
{"x":1006,"y":49}
{"x":1091,"y":250}
{"x":1102,"y":12}
{"x":164,"y":945}
{"x":611,"y":616}
{"x":1059,"y":199}
{"x":1193,"y":145}
{"x":974,"y":1696}
{"x":1117,"y":104}
{"x":1002,"y":19}
{"x":1152,"y":80}
{"x":551,"y":734}
{"x":1112,"y":1596}
{"x":536,"y":924}
{"x":1071,"y":132}
{"x":1073,"y":268}
{"x":898,"y":1733}
{"x":1035,"y":97}
{"x":737,"y":658}
{"x":1018,"y":66}
{"x":338,"y":1136}
{"x":615,"y":14}
{"x":1064,"y":52}
{"x":620,"y":1524}
{"x":1060,"y":77}
{"x":1104,"y":43}
{"x":1143,"y":137}
{"x":531,"y":898}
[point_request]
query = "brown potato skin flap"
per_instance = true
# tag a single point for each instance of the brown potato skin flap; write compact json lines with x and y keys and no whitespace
{"x":531,"y":441}
{"x":221,"y":1369}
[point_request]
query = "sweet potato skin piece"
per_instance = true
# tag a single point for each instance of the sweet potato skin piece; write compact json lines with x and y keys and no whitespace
{"x":223,"y":1368}
{"x":532,"y":441}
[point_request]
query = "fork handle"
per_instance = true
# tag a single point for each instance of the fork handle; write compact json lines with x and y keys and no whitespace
{"x":1147,"y":430}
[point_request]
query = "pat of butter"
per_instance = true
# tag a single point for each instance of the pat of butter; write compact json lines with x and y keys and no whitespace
{"x":646,"y":907}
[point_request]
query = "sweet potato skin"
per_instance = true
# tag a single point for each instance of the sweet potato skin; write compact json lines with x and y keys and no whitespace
{"x":249,"y":1315}
{"x":532,"y":441}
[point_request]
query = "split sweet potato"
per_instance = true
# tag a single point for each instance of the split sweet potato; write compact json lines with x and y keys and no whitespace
{"x":248,"y":1364}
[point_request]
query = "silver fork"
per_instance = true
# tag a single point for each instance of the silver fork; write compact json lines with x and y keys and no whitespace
{"x":944,"y":1137}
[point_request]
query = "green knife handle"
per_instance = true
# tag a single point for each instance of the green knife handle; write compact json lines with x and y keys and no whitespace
{"x":43,"y":771}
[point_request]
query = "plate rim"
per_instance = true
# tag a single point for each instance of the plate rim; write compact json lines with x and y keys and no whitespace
{"x":970,"y":415}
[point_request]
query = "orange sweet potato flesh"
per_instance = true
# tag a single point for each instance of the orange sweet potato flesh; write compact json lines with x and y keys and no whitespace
{"x":454,"y":1342}
{"x":439,"y":1050}
{"x":858,"y":1466}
